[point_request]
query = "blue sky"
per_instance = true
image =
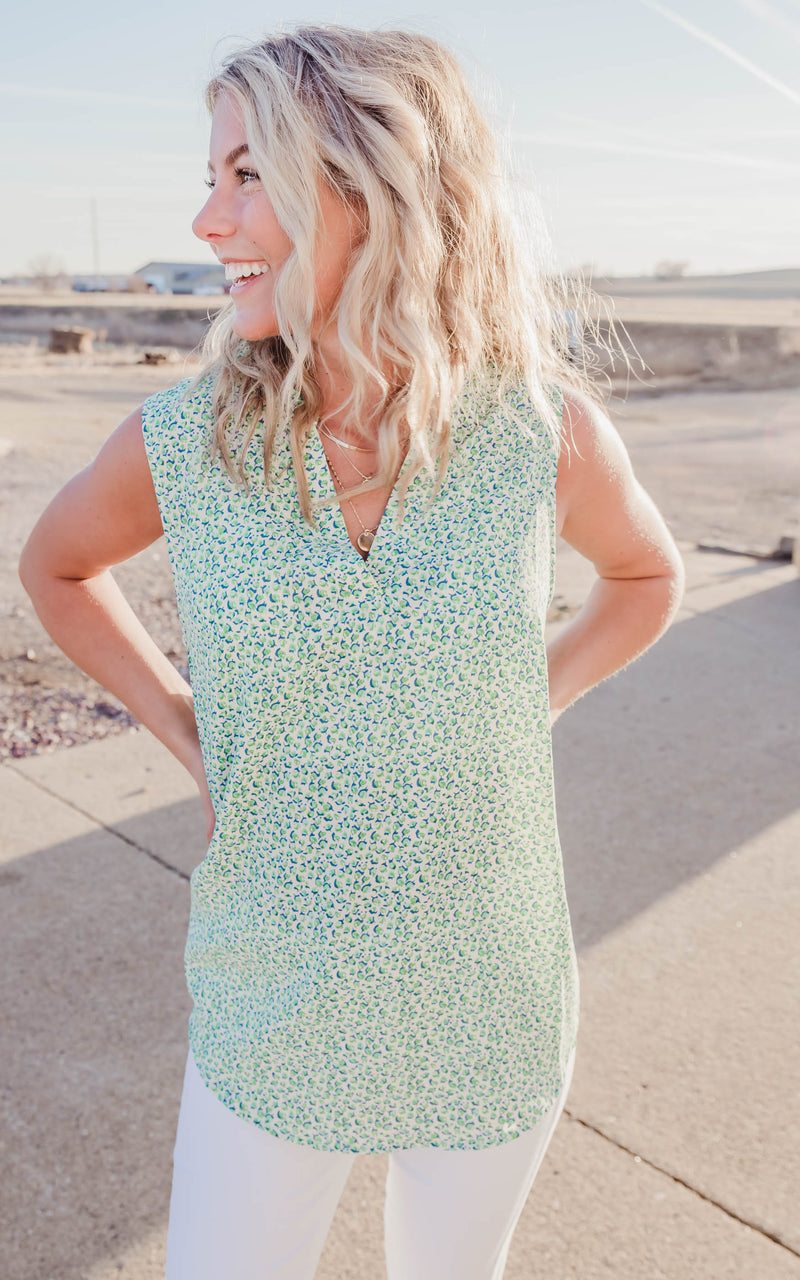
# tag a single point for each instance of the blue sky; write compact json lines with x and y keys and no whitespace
{"x":647,"y":130}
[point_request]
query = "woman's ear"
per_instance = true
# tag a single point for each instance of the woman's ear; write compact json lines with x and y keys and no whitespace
{"x":335,"y":188}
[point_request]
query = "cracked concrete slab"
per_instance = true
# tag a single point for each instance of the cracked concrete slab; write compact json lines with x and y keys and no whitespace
{"x":687,"y":1052}
{"x":94,"y":1012}
{"x":684,"y":891}
{"x":595,"y":1213}
{"x":31,"y":815}
{"x":134,"y":786}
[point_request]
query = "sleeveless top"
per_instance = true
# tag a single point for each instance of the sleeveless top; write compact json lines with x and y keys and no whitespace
{"x":379,"y":951}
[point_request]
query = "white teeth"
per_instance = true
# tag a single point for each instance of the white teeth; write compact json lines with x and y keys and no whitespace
{"x":241,"y":270}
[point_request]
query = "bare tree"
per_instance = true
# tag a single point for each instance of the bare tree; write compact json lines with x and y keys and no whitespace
{"x":666,"y":269}
{"x":47,"y":271}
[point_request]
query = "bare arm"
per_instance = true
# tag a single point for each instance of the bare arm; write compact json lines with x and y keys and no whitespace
{"x":603,"y":511}
{"x":102,"y":516}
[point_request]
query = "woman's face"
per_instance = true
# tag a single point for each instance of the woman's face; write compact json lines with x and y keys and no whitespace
{"x":239,"y":223}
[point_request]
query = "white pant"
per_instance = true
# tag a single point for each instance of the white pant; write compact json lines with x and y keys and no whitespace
{"x":247,"y":1206}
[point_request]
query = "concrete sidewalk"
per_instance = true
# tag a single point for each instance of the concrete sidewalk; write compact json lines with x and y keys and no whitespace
{"x":679,"y":1152}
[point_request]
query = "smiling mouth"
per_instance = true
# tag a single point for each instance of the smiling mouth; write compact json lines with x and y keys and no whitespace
{"x":238,"y":272}
{"x":244,"y":282}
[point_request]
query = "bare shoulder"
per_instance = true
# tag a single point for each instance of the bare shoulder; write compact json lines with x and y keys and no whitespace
{"x":601,"y":508}
{"x":592,"y":454}
{"x":105,"y":514}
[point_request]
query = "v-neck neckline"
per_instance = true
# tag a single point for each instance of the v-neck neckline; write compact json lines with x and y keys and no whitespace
{"x":332,"y":518}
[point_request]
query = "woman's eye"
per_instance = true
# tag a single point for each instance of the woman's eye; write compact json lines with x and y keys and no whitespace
{"x":240,"y":173}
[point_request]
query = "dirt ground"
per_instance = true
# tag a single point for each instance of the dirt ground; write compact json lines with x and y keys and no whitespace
{"x":722,"y":466}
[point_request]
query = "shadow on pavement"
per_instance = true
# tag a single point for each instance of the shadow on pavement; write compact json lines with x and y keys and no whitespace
{"x":95,"y":1025}
{"x":680,"y":758}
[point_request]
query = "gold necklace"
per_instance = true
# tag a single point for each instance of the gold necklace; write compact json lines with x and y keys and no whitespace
{"x":361,"y":448}
{"x":367,"y":536}
{"x":355,"y":468}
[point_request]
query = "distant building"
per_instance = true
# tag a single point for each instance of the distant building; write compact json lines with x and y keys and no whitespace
{"x":184,"y":277}
{"x":99,"y":284}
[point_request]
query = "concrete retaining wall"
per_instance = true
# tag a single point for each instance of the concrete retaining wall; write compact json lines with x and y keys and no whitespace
{"x":176,"y":326}
{"x":766,"y":355}
{"x":708,"y":353}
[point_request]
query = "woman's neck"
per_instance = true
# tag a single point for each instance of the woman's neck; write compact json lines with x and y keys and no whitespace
{"x":336,"y":386}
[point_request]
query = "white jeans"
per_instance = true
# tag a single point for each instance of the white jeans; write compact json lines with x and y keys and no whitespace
{"x":246,"y":1205}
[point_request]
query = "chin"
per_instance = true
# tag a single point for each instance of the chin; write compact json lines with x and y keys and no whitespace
{"x":253,"y":328}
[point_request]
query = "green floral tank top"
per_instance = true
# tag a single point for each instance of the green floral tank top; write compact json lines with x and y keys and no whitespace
{"x":379,"y":950}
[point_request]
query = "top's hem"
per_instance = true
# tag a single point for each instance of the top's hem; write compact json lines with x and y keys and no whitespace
{"x":413,"y":1139}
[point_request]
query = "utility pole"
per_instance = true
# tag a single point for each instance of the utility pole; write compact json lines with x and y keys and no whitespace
{"x":95,"y":240}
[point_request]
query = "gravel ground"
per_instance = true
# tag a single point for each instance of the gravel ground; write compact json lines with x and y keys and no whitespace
{"x":721,"y":466}
{"x":55,"y":412}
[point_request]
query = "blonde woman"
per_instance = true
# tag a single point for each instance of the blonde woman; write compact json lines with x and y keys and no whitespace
{"x":361,"y":492}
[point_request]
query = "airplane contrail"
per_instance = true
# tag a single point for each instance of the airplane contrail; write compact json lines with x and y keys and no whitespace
{"x":724,"y":159}
{"x":651,"y":139}
{"x":770,"y":14}
{"x":725,"y":49}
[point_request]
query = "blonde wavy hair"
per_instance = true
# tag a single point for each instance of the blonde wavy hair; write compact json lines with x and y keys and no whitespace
{"x":445,"y":284}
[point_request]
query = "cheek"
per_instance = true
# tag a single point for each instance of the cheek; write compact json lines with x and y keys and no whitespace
{"x":266,"y":232}
{"x":275,"y":245}
{"x":331,"y":271}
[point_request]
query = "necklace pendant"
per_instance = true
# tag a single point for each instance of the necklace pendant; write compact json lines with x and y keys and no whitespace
{"x":365,"y":540}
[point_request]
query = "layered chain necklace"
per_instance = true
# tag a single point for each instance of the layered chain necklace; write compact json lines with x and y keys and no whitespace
{"x":367,"y":536}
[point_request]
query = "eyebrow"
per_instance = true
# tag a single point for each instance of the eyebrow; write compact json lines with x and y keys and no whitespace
{"x":232,"y":156}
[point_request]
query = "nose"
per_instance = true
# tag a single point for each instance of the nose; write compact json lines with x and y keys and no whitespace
{"x":214,"y":221}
